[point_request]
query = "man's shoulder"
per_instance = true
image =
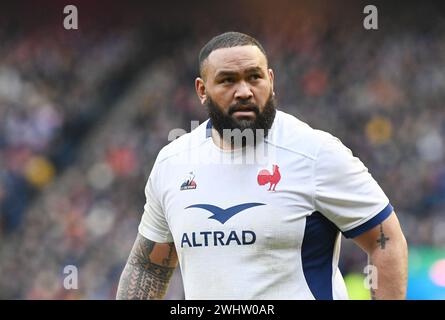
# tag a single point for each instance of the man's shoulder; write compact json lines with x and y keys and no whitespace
{"x":183,"y":144}
{"x":294,"y":135}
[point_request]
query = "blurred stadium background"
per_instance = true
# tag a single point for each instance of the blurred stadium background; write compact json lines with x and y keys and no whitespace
{"x":83,"y":114}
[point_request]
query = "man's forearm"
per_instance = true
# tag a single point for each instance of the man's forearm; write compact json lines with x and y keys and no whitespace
{"x":143,"y":279}
{"x":390,"y":259}
{"x":140,"y":284}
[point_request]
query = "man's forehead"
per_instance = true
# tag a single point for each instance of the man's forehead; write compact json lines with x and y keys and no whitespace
{"x":235,"y":59}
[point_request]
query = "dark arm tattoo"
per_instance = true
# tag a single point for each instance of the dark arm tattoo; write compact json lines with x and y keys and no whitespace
{"x":373,"y":295}
{"x":370,"y":277}
{"x":382,"y":240}
{"x":143,"y":279}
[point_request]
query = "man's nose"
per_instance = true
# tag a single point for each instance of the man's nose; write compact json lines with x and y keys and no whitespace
{"x":243,"y":91}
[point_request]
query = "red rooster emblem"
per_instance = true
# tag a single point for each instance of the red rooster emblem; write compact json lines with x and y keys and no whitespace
{"x":264,"y":176}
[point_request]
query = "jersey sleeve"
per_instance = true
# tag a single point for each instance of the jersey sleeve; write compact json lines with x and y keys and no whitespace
{"x":154,"y":224}
{"x":345,"y":192}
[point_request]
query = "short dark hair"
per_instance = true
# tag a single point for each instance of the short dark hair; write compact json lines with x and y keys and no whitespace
{"x":227,"y":40}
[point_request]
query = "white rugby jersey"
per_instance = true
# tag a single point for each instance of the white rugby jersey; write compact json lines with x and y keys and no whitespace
{"x":266,"y":227}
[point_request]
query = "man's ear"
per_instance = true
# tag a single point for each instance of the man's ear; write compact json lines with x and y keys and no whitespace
{"x":201,"y":90}
{"x":271,"y":77}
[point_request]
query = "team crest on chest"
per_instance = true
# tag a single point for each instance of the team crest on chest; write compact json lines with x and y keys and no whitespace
{"x":189,"y":182}
{"x":271,"y":178}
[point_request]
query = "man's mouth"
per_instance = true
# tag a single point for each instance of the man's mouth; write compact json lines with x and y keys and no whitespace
{"x":244,"y":112}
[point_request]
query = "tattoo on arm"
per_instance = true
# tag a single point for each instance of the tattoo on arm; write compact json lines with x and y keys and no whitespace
{"x":166,"y":261}
{"x":373,"y":295}
{"x":372,"y":277}
{"x":382,"y":240}
{"x":143,"y":279}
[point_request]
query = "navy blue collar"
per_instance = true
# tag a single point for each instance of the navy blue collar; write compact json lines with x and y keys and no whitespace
{"x":209,"y":129}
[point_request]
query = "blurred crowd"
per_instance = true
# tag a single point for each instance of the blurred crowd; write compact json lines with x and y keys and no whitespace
{"x":70,"y":198}
{"x":48,"y":88}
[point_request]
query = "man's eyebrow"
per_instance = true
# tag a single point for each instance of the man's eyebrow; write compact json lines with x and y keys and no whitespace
{"x":253,"y":70}
{"x":225,"y":73}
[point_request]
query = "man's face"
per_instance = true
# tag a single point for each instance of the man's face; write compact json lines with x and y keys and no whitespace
{"x":237,"y":88}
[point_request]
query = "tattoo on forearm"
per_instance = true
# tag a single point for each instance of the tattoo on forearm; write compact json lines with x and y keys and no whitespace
{"x":143,"y":279}
{"x":382,"y":240}
{"x":166,"y":261}
{"x":373,"y":295}
{"x":372,"y":278}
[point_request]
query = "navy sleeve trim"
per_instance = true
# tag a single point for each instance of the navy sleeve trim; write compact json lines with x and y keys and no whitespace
{"x":368,"y":225}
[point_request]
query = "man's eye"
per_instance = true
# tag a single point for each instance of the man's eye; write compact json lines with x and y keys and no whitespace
{"x":228,"y":80}
{"x":254,"y":77}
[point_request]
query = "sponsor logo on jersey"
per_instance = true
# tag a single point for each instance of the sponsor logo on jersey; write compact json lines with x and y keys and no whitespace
{"x":218,"y":238}
{"x":189,"y":182}
{"x":266,"y":177}
{"x":223,"y":215}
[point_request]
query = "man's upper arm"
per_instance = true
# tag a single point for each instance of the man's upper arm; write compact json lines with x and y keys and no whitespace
{"x":345,"y":192}
{"x":148,"y":270}
{"x":154,"y":224}
{"x":146,"y":252}
{"x":388,"y":258}
{"x":386,"y":233}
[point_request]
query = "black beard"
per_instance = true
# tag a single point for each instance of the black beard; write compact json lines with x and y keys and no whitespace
{"x":225,"y":121}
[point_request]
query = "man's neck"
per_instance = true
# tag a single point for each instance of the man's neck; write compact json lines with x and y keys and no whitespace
{"x":226,"y":145}
{"x":220,"y":142}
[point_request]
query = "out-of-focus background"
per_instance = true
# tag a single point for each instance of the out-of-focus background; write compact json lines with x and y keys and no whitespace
{"x":84,"y":112}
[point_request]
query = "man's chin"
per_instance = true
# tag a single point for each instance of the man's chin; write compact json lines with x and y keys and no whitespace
{"x":244,"y":119}
{"x":244,"y":123}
